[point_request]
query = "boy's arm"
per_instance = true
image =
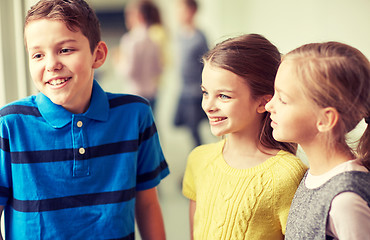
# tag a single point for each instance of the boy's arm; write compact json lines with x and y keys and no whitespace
{"x":149,"y":216}
{"x":191,"y":216}
{"x":1,"y":213}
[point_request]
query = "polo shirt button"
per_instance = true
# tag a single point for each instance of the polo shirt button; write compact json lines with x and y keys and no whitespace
{"x":79,"y":124}
{"x":82,"y":151}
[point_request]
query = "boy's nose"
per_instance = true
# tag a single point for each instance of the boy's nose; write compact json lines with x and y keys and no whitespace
{"x":53,"y":64}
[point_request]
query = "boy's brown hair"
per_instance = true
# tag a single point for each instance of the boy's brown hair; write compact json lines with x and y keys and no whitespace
{"x":76,"y":14}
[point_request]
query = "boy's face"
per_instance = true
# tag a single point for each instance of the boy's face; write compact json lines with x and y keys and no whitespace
{"x":61,"y":63}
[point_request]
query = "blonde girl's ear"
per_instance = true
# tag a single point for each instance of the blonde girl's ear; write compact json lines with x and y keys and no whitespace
{"x":263,"y":101}
{"x":100,"y":54}
{"x":327,"y":119}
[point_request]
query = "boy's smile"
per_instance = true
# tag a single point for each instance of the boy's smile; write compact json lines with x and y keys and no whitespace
{"x":61,"y":63}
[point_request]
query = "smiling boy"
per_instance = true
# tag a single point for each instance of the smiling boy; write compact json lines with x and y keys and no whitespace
{"x":76,"y":162}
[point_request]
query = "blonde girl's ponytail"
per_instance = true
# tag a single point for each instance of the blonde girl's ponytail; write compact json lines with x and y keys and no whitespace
{"x":363,"y":149}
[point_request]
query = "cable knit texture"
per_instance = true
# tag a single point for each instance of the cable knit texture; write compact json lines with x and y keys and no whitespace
{"x":240,"y":204}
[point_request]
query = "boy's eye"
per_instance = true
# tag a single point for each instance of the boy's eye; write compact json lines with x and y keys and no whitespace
{"x":65,"y":50}
{"x":36,"y":56}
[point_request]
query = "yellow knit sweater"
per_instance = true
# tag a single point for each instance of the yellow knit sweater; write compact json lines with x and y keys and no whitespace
{"x":240,"y":203}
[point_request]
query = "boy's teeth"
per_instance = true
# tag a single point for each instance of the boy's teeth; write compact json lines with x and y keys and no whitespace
{"x":57,"y":81}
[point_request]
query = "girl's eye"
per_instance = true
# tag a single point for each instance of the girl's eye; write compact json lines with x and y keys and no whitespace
{"x":282,"y":101}
{"x":224,"y":97}
{"x":204,"y":93}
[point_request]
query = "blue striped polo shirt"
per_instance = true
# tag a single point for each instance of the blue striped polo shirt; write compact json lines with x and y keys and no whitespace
{"x":75,"y":176}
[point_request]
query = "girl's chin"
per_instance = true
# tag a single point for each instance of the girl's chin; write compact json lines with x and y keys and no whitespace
{"x":278,"y":137}
{"x":217,"y":133}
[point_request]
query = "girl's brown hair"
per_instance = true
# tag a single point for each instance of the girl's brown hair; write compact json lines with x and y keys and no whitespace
{"x":334,"y":74}
{"x":256,"y":60}
{"x":76,"y":14}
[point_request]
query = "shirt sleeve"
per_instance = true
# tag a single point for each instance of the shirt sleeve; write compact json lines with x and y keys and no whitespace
{"x":4,"y":165}
{"x":349,"y":217}
{"x":152,"y":166}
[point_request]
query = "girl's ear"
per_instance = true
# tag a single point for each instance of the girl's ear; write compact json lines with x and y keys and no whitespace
{"x":327,"y":119}
{"x":263,"y":101}
{"x":100,"y":54}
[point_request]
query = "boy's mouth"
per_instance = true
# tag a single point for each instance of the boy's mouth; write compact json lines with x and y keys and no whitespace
{"x":56,"y":82}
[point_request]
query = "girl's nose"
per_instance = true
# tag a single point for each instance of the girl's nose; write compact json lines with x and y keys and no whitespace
{"x":208,"y":104}
{"x":269,"y":104}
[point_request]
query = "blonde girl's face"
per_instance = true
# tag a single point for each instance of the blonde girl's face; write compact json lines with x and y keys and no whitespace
{"x":293,"y":116}
{"x":228,"y":103}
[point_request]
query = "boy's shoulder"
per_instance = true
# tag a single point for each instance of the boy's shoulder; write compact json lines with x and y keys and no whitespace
{"x":121,"y":99}
{"x":24,"y":106}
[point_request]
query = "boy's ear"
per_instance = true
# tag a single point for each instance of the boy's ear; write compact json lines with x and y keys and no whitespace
{"x":327,"y":119}
{"x":263,"y":101}
{"x":100,"y":54}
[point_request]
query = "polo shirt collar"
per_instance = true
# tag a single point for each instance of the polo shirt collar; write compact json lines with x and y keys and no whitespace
{"x":58,"y":117}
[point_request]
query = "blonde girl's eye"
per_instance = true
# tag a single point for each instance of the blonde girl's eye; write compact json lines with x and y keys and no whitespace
{"x":282,"y":101}
{"x":204,"y":93}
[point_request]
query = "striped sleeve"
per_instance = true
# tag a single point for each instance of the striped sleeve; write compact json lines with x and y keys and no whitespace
{"x":152,"y":166}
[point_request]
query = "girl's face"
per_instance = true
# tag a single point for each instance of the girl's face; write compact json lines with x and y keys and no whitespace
{"x":228,"y":103}
{"x":293,"y":116}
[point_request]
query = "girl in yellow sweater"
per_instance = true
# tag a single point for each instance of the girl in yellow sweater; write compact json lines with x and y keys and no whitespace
{"x":242,"y":186}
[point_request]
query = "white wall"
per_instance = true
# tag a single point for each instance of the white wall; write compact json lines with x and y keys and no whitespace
{"x":14,"y":78}
{"x":291,"y":23}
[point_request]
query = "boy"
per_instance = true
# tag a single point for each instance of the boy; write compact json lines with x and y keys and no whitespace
{"x":76,"y":162}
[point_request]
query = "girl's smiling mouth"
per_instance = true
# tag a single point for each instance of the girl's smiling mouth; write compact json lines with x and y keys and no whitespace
{"x":216,"y":119}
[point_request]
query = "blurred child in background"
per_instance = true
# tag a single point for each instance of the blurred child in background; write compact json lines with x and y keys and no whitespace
{"x":192,"y":44}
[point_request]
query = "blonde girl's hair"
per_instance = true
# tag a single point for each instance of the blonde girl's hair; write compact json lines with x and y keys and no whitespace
{"x":256,"y":60}
{"x":337,"y":75}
